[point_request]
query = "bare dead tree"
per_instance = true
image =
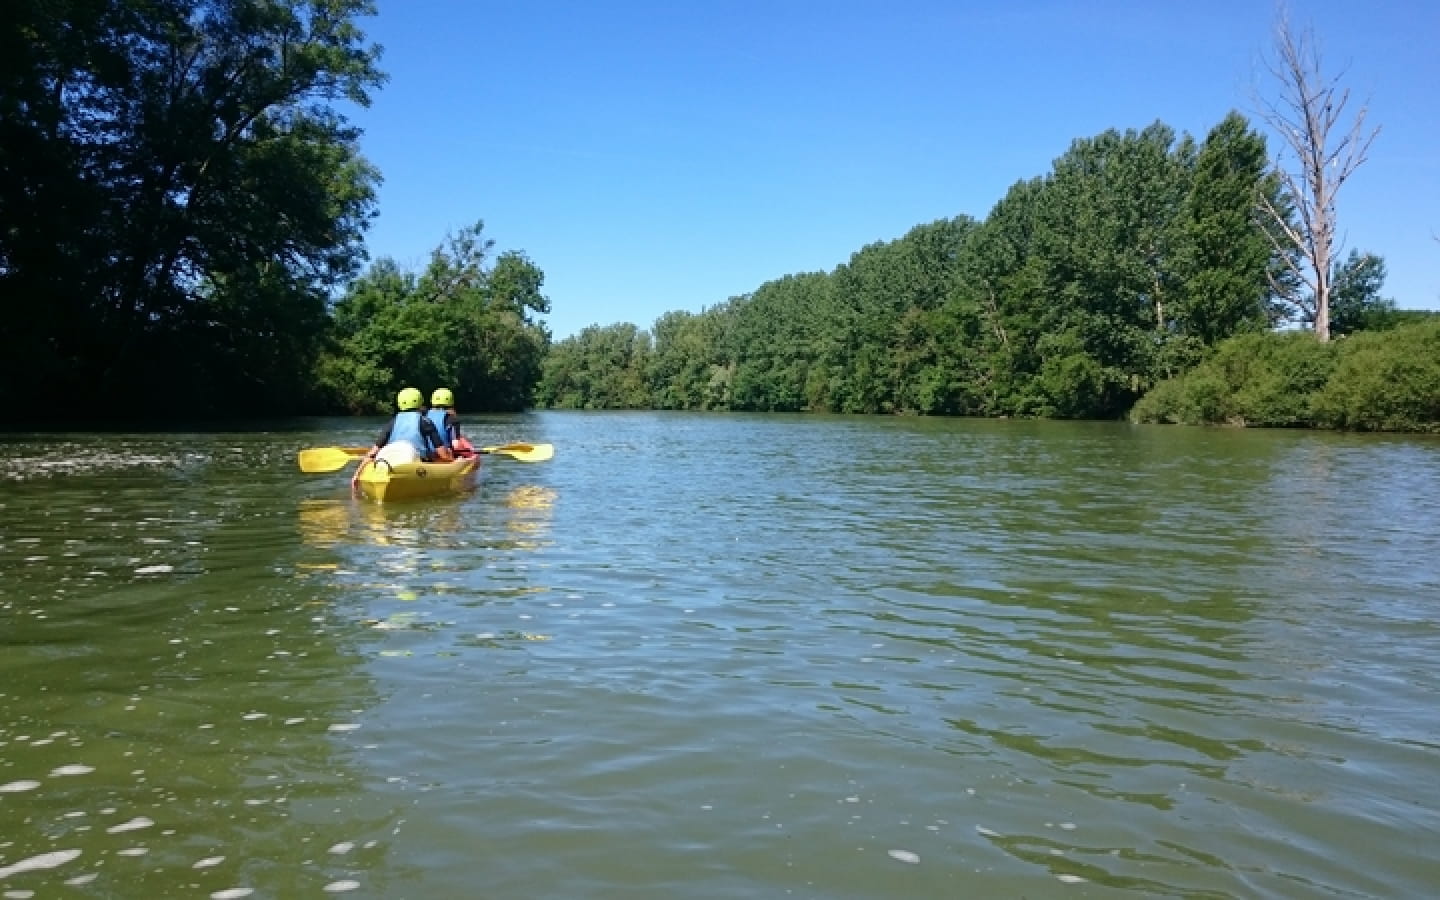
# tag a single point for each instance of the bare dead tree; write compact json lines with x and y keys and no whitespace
{"x":1309,"y":116}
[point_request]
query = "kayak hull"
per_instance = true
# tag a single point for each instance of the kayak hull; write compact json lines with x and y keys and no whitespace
{"x":383,"y":483}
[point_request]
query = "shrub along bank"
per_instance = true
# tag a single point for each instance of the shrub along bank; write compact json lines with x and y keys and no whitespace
{"x":1368,"y":381}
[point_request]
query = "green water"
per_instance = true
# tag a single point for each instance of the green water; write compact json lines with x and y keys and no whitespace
{"x":725,"y":656}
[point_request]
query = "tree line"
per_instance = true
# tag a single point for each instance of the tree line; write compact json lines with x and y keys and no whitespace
{"x":1146,"y":273}
{"x":183,"y":205}
{"x":1127,"y":264}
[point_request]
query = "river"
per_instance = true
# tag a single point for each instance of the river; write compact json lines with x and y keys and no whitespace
{"x":725,"y":656}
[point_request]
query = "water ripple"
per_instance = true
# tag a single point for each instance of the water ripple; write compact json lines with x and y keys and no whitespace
{"x":731,"y":656}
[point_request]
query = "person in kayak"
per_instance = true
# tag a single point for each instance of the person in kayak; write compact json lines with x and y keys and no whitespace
{"x":410,"y":435}
{"x":442,"y":413}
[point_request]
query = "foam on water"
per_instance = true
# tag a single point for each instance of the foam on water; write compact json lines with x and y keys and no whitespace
{"x":22,"y":468}
{"x":44,"y":861}
{"x":72,"y":769}
{"x":134,"y":824}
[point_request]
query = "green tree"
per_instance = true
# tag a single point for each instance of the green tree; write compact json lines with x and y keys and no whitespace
{"x":688,"y":367}
{"x":773,"y":342}
{"x":998,"y":310}
{"x":1225,"y":254}
{"x":465,"y":322}
{"x":176,"y":186}
{"x":1355,"y":301}
{"x":602,"y":367}
{"x":1106,"y":237}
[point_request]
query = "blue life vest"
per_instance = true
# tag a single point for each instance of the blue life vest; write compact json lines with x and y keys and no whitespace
{"x":438,"y":415}
{"x":406,"y":427}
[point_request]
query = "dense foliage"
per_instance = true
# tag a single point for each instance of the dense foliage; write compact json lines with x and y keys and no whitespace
{"x":178,"y":196}
{"x":465,"y":322}
{"x":1080,"y":291}
{"x":181,"y":204}
{"x":1143,"y":262}
{"x":182,"y":207}
{"x":1386,"y":380}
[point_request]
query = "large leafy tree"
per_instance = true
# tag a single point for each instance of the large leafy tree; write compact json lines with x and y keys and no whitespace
{"x":466,"y":322}
{"x":688,"y":366}
{"x":602,"y":367}
{"x":776,"y":343}
{"x":995,"y":314}
{"x":1224,"y":253}
{"x":178,"y":193}
{"x":1106,"y":236}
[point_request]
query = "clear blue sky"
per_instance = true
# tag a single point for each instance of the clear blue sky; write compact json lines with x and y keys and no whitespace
{"x":656,"y":156}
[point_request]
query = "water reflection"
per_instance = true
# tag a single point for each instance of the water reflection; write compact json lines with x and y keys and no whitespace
{"x":330,"y":523}
{"x":882,"y":658}
{"x":405,"y":569}
{"x":333,"y":523}
{"x":532,"y":506}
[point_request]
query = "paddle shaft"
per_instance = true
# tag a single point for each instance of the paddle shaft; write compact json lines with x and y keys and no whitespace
{"x":331,"y":459}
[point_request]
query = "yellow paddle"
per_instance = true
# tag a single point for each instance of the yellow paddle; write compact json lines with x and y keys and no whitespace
{"x":524,"y":452}
{"x":327,"y":459}
{"x":332,"y":459}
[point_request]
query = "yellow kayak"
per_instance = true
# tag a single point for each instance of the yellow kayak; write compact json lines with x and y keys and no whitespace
{"x":413,"y":481}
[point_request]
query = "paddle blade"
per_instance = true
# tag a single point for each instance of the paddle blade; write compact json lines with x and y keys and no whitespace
{"x":523,"y":452}
{"x":324,"y":459}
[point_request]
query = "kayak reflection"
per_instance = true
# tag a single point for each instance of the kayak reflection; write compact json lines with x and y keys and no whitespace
{"x":333,"y":523}
{"x":330,"y":523}
{"x":532,"y":508}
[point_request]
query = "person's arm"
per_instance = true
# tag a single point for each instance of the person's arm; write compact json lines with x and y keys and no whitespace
{"x":437,"y":440}
{"x":452,"y":424}
{"x":381,"y":439}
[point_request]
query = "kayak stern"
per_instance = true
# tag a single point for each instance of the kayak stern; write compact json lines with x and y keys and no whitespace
{"x":418,"y":480}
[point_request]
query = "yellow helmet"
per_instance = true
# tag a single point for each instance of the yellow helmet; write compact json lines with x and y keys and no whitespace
{"x":442,"y":397}
{"x":409,"y":399}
